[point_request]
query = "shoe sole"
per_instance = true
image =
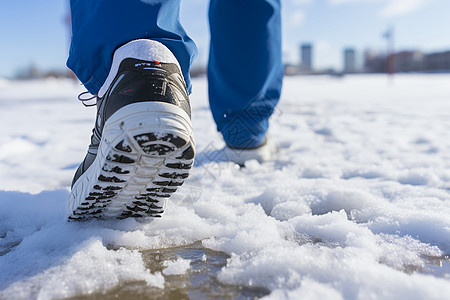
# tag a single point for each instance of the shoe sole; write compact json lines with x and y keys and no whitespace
{"x":146,"y":152}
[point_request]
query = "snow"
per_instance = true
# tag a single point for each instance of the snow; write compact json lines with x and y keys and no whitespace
{"x":355,"y":206}
{"x":176,"y":267}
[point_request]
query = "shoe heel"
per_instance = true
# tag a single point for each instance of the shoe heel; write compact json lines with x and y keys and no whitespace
{"x":146,"y":153}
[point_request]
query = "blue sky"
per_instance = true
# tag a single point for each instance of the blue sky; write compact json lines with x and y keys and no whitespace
{"x":34,"y":31}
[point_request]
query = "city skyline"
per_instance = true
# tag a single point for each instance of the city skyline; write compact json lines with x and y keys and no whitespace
{"x":369,"y":61}
{"x":34,"y":32}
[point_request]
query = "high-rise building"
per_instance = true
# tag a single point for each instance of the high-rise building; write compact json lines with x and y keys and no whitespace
{"x":306,"y":57}
{"x":349,"y":60}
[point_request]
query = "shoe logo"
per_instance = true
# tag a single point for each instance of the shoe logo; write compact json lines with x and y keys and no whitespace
{"x":127,"y":91}
{"x":143,"y":65}
{"x":148,"y":64}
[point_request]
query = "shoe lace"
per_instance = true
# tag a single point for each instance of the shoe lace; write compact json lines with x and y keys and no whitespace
{"x":86,"y":100}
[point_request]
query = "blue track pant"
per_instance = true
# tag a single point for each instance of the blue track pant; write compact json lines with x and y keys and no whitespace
{"x":244,"y":70}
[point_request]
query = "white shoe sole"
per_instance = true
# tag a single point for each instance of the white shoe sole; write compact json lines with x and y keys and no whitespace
{"x":145,"y":154}
{"x":261,"y":154}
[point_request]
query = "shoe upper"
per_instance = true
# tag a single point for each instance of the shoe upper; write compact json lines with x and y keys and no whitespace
{"x":137,"y":80}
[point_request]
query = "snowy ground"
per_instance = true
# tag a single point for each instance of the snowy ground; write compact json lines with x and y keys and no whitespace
{"x":355,"y":206}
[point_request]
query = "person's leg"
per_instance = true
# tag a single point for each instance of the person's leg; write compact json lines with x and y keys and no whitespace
{"x":245,"y":71}
{"x":99,"y":27}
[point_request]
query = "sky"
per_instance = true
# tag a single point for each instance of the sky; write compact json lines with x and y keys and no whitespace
{"x":35,"y":32}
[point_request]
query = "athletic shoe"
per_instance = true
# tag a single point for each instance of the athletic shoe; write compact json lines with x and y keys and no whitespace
{"x":263,"y":152}
{"x":142,"y":146}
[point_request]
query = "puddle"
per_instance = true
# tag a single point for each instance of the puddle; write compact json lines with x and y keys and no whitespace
{"x":199,"y":282}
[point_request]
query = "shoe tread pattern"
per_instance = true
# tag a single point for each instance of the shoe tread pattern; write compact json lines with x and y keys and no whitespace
{"x":138,"y":175}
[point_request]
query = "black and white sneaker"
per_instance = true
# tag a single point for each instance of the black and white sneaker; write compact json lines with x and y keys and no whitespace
{"x":142,"y":146}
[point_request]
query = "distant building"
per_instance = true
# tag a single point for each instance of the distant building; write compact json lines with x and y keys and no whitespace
{"x":439,"y":61}
{"x":374,"y":62}
{"x":306,"y":57}
{"x":349,"y":60}
{"x":408,"y":61}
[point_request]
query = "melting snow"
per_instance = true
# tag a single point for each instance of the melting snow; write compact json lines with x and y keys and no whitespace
{"x":355,"y":206}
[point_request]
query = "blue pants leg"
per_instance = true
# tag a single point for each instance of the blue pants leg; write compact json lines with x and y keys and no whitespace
{"x":245,"y":70}
{"x":101,"y":26}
